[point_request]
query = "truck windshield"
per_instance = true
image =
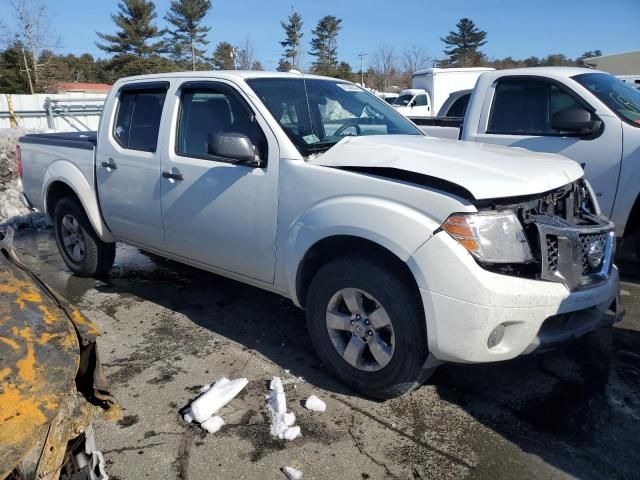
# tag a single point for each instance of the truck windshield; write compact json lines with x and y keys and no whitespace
{"x":620,"y":97}
{"x":316,"y":113}
{"x":403,"y":100}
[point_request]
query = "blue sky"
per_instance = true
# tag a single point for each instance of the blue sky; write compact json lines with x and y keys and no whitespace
{"x":518,"y":28}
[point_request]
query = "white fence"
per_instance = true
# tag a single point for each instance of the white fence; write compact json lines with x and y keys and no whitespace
{"x":65,"y":112}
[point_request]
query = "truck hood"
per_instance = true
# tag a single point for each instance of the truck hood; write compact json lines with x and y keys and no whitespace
{"x":485,"y":171}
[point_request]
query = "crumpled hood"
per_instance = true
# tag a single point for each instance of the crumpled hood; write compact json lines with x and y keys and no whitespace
{"x":486,"y":171}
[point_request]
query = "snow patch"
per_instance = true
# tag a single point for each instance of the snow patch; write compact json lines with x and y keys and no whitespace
{"x":315,"y":404}
{"x":292,"y":473}
{"x":212,"y":424}
{"x":212,"y":398}
{"x":282,"y":422}
{"x":12,"y":212}
{"x":216,"y":397}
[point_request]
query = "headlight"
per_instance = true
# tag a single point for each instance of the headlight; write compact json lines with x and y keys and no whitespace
{"x":494,"y":237}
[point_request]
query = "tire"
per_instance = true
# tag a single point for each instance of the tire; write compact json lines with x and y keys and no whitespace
{"x":404,"y":344}
{"x":81,"y":249}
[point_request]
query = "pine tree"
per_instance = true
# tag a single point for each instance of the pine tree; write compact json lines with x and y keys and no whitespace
{"x":284,"y":65}
{"x":291,"y":43}
{"x":223,"y":57}
{"x":13,"y":78}
{"x":324,"y":45}
{"x":344,"y":71}
{"x":186,"y":41}
{"x":137,"y":44}
{"x":463,"y":45}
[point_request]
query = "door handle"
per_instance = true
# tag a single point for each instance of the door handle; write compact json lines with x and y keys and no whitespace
{"x":174,"y":174}
{"x":111,"y":163}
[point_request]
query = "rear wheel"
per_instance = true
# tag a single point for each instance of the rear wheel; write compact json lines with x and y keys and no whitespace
{"x":81,"y":249}
{"x":367,"y":325}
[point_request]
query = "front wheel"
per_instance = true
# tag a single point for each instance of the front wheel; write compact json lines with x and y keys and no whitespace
{"x":81,"y":248}
{"x":367,"y":325}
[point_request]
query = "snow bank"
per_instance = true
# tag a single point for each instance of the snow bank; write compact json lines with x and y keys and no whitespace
{"x":292,"y":473}
{"x":12,"y":211}
{"x":315,"y":404}
{"x":282,"y":422}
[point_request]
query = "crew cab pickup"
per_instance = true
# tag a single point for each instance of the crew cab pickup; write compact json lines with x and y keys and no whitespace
{"x":404,"y":250}
{"x":586,"y":115}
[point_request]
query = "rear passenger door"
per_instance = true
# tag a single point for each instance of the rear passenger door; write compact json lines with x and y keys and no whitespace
{"x":217,"y":212}
{"x":520,"y":116}
{"x":128,"y":165}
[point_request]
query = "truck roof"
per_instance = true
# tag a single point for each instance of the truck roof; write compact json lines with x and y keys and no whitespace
{"x":555,"y":71}
{"x":224,"y":74}
{"x":433,"y":70}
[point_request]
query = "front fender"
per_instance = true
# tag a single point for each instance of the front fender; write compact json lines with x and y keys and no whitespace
{"x":66,"y":172}
{"x":397,"y":227}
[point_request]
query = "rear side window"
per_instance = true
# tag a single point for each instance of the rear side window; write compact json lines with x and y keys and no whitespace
{"x":138,"y":118}
{"x":525,"y":106}
{"x":459,"y":107}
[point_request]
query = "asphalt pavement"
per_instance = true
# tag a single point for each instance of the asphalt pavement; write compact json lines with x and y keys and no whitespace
{"x":168,"y":329}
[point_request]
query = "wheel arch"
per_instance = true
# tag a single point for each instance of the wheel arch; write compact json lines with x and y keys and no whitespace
{"x":339,"y":246}
{"x":64,"y":179}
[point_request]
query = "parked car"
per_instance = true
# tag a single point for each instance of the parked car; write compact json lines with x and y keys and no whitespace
{"x":389,"y":97}
{"x":431,"y":88}
{"x":404,"y":250}
{"x":583,"y":114}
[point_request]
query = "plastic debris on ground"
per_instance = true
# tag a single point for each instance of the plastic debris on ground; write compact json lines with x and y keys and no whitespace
{"x":282,"y":422}
{"x":213,"y":397}
{"x":292,"y":473}
{"x":315,"y":404}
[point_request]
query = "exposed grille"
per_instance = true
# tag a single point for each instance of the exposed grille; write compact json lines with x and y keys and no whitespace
{"x":575,"y":257}
{"x":552,"y":252}
{"x":585,"y":243}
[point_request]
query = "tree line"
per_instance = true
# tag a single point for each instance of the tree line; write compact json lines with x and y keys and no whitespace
{"x":29,"y":64}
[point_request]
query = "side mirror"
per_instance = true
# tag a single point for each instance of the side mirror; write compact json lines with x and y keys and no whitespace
{"x":412,"y":103}
{"x":234,"y":147}
{"x":575,"y":119}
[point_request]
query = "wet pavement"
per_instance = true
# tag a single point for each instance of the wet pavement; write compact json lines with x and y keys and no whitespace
{"x":168,"y":329}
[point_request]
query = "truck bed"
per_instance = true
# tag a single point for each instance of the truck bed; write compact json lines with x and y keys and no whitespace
{"x":441,"y":127}
{"x":42,"y":152}
{"x":83,"y":140}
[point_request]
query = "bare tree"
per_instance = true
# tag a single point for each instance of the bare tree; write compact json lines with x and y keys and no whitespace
{"x":247,"y":59}
{"x":34,"y":33}
{"x":384,"y":64}
{"x":415,"y":58}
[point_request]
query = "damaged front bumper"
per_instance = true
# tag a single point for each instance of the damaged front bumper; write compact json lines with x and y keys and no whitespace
{"x":51,"y":382}
{"x":476,"y":316}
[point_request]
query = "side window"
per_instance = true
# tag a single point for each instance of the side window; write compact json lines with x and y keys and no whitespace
{"x":138,"y":119}
{"x":526,"y":106}
{"x":205,"y":112}
{"x":459,"y":107}
{"x":421,"y":101}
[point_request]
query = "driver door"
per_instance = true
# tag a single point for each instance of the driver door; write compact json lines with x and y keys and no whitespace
{"x":215,"y":212}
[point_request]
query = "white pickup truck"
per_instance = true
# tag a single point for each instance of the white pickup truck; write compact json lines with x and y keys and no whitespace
{"x":586,"y":115}
{"x":405,"y":251}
